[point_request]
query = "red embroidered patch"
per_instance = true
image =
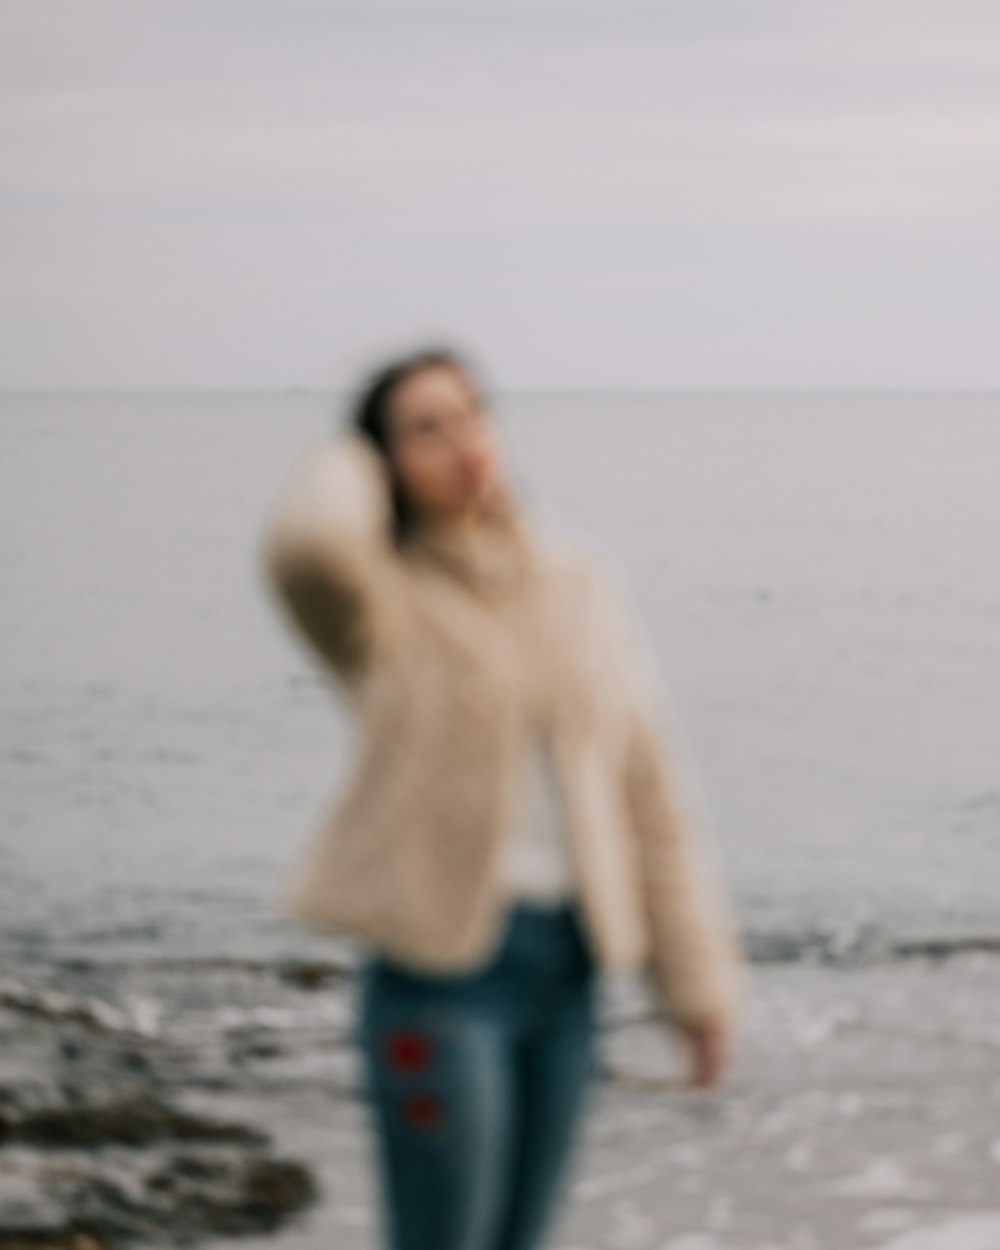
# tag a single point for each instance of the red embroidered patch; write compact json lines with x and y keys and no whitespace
{"x":407,"y":1050}
{"x":423,"y":1110}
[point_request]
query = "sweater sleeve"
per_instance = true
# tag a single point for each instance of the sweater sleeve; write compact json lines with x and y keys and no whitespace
{"x":326,"y":556}
{"x":697,"y":963}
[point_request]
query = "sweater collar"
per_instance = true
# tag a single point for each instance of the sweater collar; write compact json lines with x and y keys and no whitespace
{"x":496,"y":555}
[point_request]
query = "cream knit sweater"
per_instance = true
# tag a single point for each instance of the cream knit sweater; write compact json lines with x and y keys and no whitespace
{"x":405,"y":855}
{"x":493,"y":558}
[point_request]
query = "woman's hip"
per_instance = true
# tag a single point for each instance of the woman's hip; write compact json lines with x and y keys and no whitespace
{"x":541,"y":954}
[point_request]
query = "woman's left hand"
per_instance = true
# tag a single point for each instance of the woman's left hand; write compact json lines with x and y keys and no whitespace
{"x":710,"y":1048}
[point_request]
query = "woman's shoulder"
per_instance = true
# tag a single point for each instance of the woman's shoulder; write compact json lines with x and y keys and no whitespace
{"x":335,"y":480}
{"x":578,"y":556}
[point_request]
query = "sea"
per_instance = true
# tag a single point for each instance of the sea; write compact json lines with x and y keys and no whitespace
{"x":817,"y":574}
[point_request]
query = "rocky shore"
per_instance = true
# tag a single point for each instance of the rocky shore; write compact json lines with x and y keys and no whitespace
{"x":101,"y":1141}
{"x":217,"y":1103}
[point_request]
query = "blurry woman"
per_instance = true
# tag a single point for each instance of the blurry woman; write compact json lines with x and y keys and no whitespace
{"x":520,"y":818}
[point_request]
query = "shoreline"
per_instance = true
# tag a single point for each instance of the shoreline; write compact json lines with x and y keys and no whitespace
{"x":862,"y":1108}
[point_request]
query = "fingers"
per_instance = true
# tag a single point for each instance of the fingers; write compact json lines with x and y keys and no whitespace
{"x":710,"y":1055}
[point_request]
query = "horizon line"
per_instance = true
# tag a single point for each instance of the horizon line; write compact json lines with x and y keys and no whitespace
{"x":548,"y":388}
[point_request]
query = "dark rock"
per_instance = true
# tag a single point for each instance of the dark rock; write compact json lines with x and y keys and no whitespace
{"x":312,"y":975}
{"x":132,"y":1121}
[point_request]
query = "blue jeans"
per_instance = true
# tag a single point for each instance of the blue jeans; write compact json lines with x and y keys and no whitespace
{"x":477,"y":1082}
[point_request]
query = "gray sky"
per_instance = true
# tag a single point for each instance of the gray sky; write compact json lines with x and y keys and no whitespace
{"x":727,"y":193}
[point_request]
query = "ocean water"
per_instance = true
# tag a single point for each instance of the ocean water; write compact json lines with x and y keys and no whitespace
{"x":817,"y":575}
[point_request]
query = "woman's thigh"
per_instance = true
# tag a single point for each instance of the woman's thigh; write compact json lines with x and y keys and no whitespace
{"x":439,"y":1079}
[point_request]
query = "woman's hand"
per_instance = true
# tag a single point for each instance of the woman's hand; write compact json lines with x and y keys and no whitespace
{"x":710,"y":1050}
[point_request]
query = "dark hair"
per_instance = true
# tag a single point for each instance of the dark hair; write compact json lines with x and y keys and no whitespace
{"x":370,"y":411}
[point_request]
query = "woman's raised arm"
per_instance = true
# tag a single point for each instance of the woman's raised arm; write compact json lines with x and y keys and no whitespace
{"x":326,"y":553}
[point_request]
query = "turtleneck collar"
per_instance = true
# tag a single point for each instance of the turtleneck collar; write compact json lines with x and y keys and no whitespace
{"x":496,"y":554}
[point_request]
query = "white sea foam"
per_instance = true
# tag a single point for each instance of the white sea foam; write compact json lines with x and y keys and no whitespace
{"x":975,"y":1231}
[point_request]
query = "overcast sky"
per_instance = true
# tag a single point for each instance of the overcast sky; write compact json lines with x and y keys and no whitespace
{"x":714,"y":193}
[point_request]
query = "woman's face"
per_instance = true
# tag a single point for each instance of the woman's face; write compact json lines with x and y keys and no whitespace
{"x":442,"y":444}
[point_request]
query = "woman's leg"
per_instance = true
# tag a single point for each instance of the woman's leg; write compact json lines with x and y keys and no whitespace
{"x":554,"y":1072}
{"x":554,"y":1067}
{"x":439,"y":1079}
